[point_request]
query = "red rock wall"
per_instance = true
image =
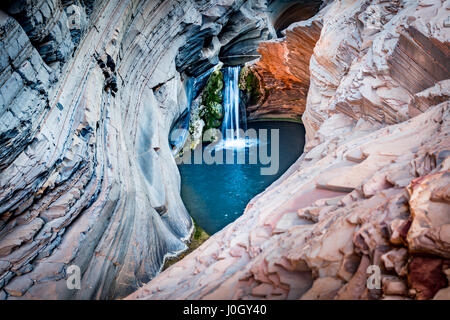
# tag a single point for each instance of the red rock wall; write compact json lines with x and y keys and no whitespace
{"x":371,"y":189}
{"x":283,"y":71}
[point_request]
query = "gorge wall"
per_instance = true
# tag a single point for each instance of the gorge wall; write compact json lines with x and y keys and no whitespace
{"x":89,"y":91}
{"x":371,"y":190}
{"x":283,"y":72}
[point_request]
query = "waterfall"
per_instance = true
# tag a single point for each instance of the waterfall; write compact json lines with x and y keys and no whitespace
{"x":231,"y":120}
{"x":177,"y":138}
{"x":234,"y":114}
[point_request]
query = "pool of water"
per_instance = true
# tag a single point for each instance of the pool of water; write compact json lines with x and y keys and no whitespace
{"x":217,"y":194}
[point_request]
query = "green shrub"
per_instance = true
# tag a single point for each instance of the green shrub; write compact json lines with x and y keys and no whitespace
{"x":212,"y":99}
{"x":249,"y":83}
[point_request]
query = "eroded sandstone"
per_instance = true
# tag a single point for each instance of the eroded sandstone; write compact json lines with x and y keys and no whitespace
{"x":371,"y":188}
{"x":89,"y":91}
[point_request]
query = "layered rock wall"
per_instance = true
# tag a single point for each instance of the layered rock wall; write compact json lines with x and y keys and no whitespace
{"x":89,"y":91}
{"x":283,"y":72}
{"x":371,"y":190}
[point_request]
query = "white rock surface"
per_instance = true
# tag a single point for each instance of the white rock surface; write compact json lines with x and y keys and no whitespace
{"x":88,"y":95}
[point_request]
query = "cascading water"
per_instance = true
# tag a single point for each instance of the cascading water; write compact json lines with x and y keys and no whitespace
{"x":179,"y":130}
{"x":232,"y":122}
{"x":215,"y":194}
{"x":234,"y":118}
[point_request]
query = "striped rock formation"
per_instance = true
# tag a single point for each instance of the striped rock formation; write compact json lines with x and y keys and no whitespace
{"x":370,"y":195}
{"x":89,"y":91}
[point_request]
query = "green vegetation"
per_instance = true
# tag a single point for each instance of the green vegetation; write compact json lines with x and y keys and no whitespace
{"x":198,"y":237}
{"x":249,"y":83}
{"x":207,"y":110}
{"x":212,"y":113}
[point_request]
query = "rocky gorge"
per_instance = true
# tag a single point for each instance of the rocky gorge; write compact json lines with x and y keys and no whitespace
{"x":90,"y":90}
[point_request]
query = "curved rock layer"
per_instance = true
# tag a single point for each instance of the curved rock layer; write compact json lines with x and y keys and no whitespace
{"x":89,"y":91}
{"x":283,"y":72}
{"x":370,"y":195}
{"x":285,"y":13}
